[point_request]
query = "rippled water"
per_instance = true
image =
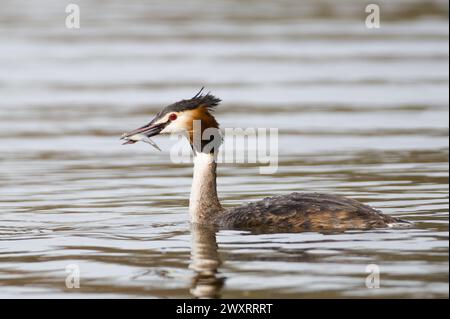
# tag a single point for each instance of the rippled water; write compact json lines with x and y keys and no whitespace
{"x":362,"y":113}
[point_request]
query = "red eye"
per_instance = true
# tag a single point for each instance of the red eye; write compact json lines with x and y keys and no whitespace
{"x":172,"y":117}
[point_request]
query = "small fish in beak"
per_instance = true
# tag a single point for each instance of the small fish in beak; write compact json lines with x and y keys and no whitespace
{"x":139,"y":137}
{"x":144,"y":133}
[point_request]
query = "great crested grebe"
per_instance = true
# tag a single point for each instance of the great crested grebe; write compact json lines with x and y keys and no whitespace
{"x":293,"y":212}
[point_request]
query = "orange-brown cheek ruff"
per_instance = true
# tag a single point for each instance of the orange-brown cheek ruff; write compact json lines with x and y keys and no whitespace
{"x":205,"y":121}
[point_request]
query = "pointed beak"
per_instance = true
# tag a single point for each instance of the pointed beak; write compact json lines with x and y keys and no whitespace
{"x":148,"y":130}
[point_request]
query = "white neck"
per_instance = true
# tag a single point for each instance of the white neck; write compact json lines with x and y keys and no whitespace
{"x":204,"y":203}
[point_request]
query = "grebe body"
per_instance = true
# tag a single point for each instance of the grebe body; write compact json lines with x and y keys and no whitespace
{"x":298,"y":212}
{"x":293,"y":212}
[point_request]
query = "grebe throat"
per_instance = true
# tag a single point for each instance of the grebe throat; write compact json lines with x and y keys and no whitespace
{"x":204,"y":204}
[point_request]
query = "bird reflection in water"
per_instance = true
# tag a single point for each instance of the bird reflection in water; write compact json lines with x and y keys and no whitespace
{"x":205,"y":261}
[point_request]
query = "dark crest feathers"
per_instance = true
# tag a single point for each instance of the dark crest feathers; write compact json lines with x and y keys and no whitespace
{"x":209,"y":101}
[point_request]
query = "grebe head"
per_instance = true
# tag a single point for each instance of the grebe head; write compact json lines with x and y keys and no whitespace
{"x":194,"y":119}
{"x":180,"y":117}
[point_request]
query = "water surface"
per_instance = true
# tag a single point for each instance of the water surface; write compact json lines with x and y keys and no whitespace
{"x":362,"y":113}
